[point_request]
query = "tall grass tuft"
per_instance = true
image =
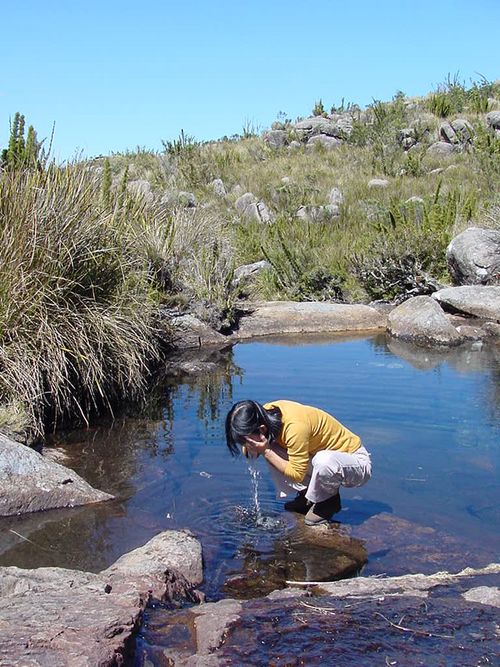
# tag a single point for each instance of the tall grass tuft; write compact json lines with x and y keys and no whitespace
{"x":76,"y":315}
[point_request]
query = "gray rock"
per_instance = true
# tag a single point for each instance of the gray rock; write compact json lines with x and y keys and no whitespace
{"x":336,"y":198}
{"x":247,"y":271}
{"x":318,"y":213}
{"x":318,"y":125}
{"x":474,"y":257}
{"x":177,"y":551}
{"x":218,"y":188}
{"x":439,"y":170}
{"x":406,"y":133}
{"x":190,"y":332}
{"x":421,"y":321}
{"x":477,"y":300}
{"x":458,"y":131}
{"x":251,"y":209}
{"x":327,"y":142}
{"x":187,"y":199}
{"x":276,"y":138}
{"x":378,"y":183}
{"x":441,"y":148}
{"x":491,"y":329}
{"x":31,"y":483}
{"x":344,"y":123}
{"x":294,"y":145}
{"x":54,"y":616}
{"x":237,"y":190}
{"x":493,"y":119}
{"x":288,"y":317}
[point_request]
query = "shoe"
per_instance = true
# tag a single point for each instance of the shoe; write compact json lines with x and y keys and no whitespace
{"x":299,"y":504}
{"x":320,"y":513}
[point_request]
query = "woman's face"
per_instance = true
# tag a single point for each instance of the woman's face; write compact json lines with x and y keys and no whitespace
{"x":257,"y":442}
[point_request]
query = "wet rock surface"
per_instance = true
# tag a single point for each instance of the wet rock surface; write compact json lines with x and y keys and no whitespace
{"x":362,"y":621}
{"x":30,"y":483}
{"x":54,"y":616}
{"x":277,"y":317}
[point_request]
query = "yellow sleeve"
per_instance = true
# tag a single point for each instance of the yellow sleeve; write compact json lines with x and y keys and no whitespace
{"x":296,"y":438}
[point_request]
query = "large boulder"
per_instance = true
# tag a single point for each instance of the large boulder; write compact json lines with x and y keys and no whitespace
{"x":191,"y":332}
{"x":31,"y":483}
{"x":288,"y":317}
{"x":421,"y":321}
{"x":318,"y":125}
{"x":493,"y":119}
{"x":474,"y":257}
{"x":60,"y":617}
{"x":476,"y":300}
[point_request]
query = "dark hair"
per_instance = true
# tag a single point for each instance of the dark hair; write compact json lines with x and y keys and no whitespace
{"x":245,"y":418}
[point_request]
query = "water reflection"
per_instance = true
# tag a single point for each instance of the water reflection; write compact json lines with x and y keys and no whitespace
{"x":430,"y":418}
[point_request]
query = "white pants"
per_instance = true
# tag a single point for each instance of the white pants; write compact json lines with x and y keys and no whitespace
{"x":328,"y":471}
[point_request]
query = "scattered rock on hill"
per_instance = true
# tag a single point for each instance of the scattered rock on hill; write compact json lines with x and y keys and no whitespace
{"x":474,"y":257}
{"x":441,"y":148}
{"x":318,"y":213}
{"x":250,"y":208}
{"x":378,"y":183}
{"x":327,"y":142}
{"x":477,"y":300}
{"x":276,"y":138}
{"x":30,"y":483}
{"x":141,"y":188}
{"x":421,"y":321}
{"x":493,"y":119}
{"x":218,"y":187}
{"x":458,"y":131}
{"x":248,"y":271}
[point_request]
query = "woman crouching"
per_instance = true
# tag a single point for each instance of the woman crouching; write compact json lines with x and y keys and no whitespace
{"x":308,"y":451}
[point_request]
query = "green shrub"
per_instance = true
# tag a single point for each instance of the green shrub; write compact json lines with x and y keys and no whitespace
{"x":76,"y":317}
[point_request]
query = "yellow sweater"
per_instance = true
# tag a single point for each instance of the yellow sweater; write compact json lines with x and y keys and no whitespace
{"x":307,"y":430}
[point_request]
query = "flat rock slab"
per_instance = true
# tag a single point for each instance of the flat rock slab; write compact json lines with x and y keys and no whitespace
{"x":58,"y":617}
{"x":363,"y":621}
{"x":477,"y":300}
{"x":30,"y":483}
{"x":290,"y":317}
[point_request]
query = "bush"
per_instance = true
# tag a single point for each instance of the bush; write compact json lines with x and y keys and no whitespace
{"x":77,"y":329}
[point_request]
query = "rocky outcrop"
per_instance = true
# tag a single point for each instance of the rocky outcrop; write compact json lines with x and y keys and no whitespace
{"x":60,"y":617}
{"x":276,"y":138}
{"x":478,"y":301}
{"x":283,"y":317}
{"x":474,"y":257}
{"x":324,"y":141}
{"x":421,"y":321}
{"x":251,"y":209}
{"x":30,"y":483}
{"x":459,"y":132}
{"x":359,"y":618}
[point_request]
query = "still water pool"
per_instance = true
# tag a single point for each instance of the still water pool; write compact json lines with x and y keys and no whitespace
{"x":431,"y":421}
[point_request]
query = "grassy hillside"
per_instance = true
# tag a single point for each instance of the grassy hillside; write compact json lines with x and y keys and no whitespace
{"x":91,"y":253}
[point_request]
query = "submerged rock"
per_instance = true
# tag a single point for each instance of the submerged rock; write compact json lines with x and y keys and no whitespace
{"x":55,"y":616}
{"x":30,"y":483}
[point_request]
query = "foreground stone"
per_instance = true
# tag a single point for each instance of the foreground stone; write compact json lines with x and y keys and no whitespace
{"x":474,"y":257}
{"x":477,"y":300}
{"x":284,"y":317}
{"x":30,"y":483}
{"x":421,"y":321}
{"x":58,"y":617}
{"x":405,"y":620}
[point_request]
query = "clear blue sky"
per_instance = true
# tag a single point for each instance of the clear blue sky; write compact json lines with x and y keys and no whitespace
{"x":116,"y":75}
